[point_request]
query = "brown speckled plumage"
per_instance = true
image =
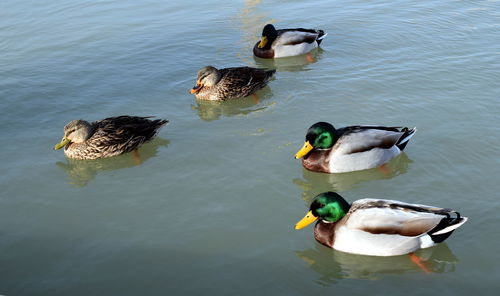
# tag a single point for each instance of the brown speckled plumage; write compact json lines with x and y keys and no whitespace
{"x":113,"y":136}
{"x":231,"y":82}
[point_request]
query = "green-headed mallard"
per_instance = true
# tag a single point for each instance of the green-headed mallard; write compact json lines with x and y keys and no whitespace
{"x":108,"y":137}
{"x":287,"y":42}
{"x":378,"y":227}
{"x":351,"y":148}
{"x":223,"y":84}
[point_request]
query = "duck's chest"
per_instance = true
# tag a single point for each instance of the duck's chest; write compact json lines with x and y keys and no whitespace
{"x":211,"y":94}
{"x":82,"y":151}
{"x":318,"y":161}
{"x":324,"y":233}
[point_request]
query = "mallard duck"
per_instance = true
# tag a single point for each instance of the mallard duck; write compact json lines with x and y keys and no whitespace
{"x":351,"y":148}
{"x":287,"y":42}
{"x":378,"y":227}
{"x":108,"y":137}
{"x":223,"y":84}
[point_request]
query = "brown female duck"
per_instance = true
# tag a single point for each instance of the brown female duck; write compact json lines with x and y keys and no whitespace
{"x":108,"y":137}
{"x":223,"y":84}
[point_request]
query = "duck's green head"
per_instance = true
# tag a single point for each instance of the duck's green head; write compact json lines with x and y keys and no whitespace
{"x":269,"y":34}
{"x":320,"y":135}
{"x":328,"y":206}
{"x":77,"y":131}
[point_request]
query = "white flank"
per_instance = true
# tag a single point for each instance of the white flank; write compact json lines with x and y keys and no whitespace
{"x":282,"y":51}
{"x":426,"y":241}
{"x":359,"y":242}
{"x":341,"y":163}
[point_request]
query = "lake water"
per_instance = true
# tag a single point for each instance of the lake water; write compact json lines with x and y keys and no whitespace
{"x":211,"y":208}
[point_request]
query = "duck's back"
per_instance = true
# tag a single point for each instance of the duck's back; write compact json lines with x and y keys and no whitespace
{"x":238,"y":82}
{"x":363,"y":147}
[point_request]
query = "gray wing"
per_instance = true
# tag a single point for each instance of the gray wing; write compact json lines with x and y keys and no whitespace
{"x":365,"y":139}
{"x":296,"y":37}
{"x":394,"y":217}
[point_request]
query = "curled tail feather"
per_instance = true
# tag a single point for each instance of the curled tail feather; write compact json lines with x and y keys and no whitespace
{"x":405,"y":138}
{"x":446,"y":227}
{"x":321,"y":35}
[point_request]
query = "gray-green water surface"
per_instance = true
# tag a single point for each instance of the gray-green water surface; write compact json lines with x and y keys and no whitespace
{"x":211,"y":208}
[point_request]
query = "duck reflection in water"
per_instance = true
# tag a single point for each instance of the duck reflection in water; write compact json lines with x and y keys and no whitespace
{"x":214,"y":110}
{"x":333,"y":265}
{"x":314,"y":183}
{"x":291,"y":64}
{"x":81,"y":172}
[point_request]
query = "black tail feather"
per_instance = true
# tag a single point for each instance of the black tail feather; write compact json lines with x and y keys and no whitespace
{"x":320,"y":35}
{"x":155,"y":127}
{"x":405,"y":138}
{"x":445,"y":222}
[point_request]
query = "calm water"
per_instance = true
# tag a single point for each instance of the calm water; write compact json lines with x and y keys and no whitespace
{"x":211,"y":208}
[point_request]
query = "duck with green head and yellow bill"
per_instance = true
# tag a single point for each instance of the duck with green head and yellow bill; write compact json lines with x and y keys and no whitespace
{"x":287,"y":42}
{"x":351,"y":148}
{"x":378,"y":227}
{"x":108,"y":137}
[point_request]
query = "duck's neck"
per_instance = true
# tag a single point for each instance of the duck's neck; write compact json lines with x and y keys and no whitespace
{"x":269,"y":43}
{"x":76,"y":150}
{"x":206,"y":93}
{"x":265,"y":53}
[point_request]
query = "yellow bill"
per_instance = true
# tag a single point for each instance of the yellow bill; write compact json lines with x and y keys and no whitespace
{"x":65,"y":141}
{"x":263,"y":42}
{"x":304,"y":150}
{"x":308,"y":219}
